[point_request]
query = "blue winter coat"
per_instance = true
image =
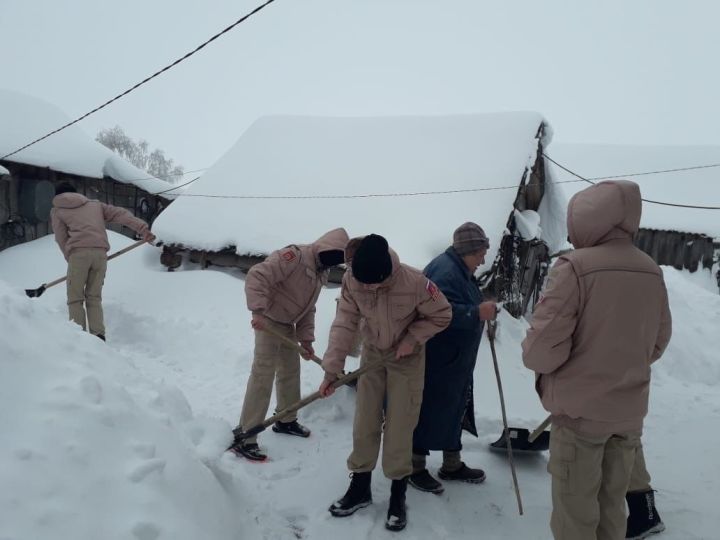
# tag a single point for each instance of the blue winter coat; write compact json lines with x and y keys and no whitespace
{"x":450,"y":356}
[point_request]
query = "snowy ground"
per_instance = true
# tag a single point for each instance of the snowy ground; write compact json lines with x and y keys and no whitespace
{"x":125,"y":439}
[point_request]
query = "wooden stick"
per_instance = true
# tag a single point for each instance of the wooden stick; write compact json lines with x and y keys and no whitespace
{"x":241,"y":435}
{"x":491,"y":336}
{"x":294,"y":344}
{"x":539,"y":430}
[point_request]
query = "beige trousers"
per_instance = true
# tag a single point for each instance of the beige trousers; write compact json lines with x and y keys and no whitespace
{"x":85,"y":278}
{"x":400,"y":384}
{"x":590,"y":476}
{"x":640,"y":478}
{"x":274,"y":361}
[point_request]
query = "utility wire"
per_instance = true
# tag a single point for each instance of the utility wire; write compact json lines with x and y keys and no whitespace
{"x":662,"y":203}
{"x":157,"y":73}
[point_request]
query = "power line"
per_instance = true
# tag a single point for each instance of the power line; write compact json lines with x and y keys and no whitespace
{"x":650,"y":201}
{"x":370,"y":195}
{"x":159,"y":72}
{"x":177,"y":187}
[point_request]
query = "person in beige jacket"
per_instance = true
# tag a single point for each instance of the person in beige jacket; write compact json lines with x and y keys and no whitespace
{"x":79,"y":227}
{"x":602,"y":321}
{"x":401,"y":309}
{"x":281,"y":294}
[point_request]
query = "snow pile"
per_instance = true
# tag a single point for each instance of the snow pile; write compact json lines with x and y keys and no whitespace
{"x":693,"y":187}
{"x":25,"y":118}
{"x":528,"y":224}
{"x":316,"y":156}
{"x":91,"y":449}
{"x":3,"y":170}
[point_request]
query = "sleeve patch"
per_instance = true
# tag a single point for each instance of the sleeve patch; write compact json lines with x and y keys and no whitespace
{"x":432,"y":290}
{"x":289,"y":255}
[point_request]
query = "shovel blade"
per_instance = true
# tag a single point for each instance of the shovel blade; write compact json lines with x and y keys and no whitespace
{"x":520,"y":443}
{"x":34,"y":293}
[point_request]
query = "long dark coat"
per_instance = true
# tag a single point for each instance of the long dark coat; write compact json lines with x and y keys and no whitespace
{"x":450,"y":356}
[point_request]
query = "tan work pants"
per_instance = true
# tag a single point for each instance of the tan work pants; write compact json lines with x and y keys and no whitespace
{"x":85,"y":278}
{"x":590,"y":476}
{"x":274,"y":361}
{"x":401,"y":382}
{"x":640,"y":478}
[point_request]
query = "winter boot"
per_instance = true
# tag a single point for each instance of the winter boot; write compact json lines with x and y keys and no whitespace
{"x":356,"y":497}
{"x":291,"y":428}
{"x":250,"y":451}
{"x":423,"y":481}
{"x":643,"y":518}
{"x":397,"y":511}
{"x":463,"y":474}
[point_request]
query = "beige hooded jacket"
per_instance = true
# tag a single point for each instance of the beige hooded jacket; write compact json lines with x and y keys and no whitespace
{"x":286,"y":286}
{"x":407,"y":306}
{"x":603,"y":318}
{"x":79,"y":222}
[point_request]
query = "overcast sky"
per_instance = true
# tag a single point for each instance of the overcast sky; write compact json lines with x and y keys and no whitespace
{"x":611,"y":71}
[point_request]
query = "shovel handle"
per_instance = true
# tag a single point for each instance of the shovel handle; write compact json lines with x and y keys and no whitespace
{"x":240,"y":435}
{"x":539,"y":430}
{"x":291,"y":343}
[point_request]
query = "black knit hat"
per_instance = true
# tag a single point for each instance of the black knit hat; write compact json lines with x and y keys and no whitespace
{"x":65,"y":187}
{"x":371,"y":262}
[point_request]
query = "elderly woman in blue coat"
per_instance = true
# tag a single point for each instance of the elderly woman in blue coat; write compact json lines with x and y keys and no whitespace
{"x":450,"y":360}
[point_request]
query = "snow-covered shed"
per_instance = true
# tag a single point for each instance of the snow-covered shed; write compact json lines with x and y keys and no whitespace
{"x":28,"y":178}
{"x":686,"y":238}
{"x":288,"y":179}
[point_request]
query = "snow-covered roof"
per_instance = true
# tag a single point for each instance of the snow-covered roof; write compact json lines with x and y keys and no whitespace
{"x":694,"y":187}
{"x":320,"y":156}
{"x":25,"y":118}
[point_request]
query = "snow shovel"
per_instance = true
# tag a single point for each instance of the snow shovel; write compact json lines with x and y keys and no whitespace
{"x":35,"y":293}
{"x":492,"y":327}
{"x":299,"y":349}
{"x":240,"y":435}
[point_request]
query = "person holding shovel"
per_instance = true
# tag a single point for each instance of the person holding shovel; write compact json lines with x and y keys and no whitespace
{"x":602,"y":321}
{"x":401,"y":310}
{"x":79,"y":227}
{"x":281,"y":294}
{"x":450,"y":361}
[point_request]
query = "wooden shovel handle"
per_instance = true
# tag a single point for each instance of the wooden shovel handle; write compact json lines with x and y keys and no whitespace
{"x":294,"y":344}
{"x":538,"y":430}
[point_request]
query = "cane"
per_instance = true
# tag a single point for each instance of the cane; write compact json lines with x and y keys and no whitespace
{"x":492,"y":326}
{"x":240,"y":435}
{"x":35,"y":293}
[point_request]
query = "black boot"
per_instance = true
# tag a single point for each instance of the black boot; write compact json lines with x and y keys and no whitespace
{"x":463,"y":474}
{"x":424,"y":481}
{"x":643,"y":518}
{"x":356,"y":497}
{"x":291,"y":428}
{"x":397,"y":511}
{"x":249,"y":451}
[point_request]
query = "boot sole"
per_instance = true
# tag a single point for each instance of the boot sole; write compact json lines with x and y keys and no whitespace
{"x":276,"y":430}
{"x":336,"y":512}
{"x":395,"y":528}
{"x":466,"y":480}
{"x":249,"y":458}
{"x":437,"y":491}
{"x":660,"y":527}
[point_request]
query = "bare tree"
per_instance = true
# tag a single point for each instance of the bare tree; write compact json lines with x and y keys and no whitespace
{"x":138,"y":153}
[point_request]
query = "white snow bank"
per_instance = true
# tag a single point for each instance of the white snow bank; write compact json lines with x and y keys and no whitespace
{"x":90,"y":449}
{"x":694,"y":187}
{"x":25,"y":118}
{"x":3,"y":170}
{"x":315,"y":156}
